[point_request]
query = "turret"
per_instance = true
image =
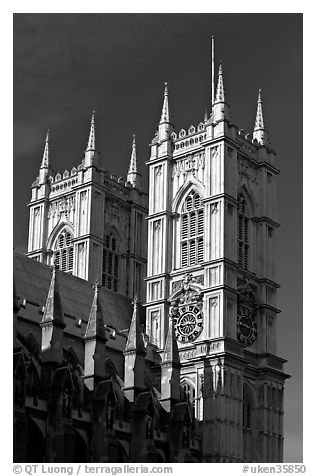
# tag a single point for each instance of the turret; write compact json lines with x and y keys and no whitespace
{"x":220,"y":106}
{"x":133,"y":176}
{"x":259,"y":132}
{"x":92,"y":156}
{"x":94,"y":346}
{"x":134,"y":380}
{"x":170,"y":370}
{"x":53,"y":324}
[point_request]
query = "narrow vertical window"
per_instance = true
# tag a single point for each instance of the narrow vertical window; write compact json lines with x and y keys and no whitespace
{"x":192,"y":230}
{"x":243,"y":232}
{"x":111,"y":263}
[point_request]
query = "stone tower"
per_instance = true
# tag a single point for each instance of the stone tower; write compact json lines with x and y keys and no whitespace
{"x":87,"y":221}
{"x":211,"y":268}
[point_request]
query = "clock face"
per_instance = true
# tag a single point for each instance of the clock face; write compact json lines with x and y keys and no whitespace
{"x":188,"y":323}
{"x":246,"y":327}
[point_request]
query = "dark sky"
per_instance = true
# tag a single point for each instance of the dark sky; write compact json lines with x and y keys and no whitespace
{"x":66,"y":65}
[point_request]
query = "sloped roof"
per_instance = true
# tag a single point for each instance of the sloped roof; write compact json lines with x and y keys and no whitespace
{"x":32,"y":280}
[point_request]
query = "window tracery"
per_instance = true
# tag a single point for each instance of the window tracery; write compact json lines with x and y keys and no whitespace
{"x":64,"y":252}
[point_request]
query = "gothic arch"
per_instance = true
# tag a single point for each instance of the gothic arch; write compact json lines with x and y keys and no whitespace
{"x":30,"y":343}
{"x":55,"y":232}
{"x":191,"y":184}
{"x":72,"y":358}
{"x":81,"y":447}
{"x":188,"y":392}
{"x":250,"y":199}
{"x":248,"y":388}
{"x":35,"y":446}
{"x":114,"y":230}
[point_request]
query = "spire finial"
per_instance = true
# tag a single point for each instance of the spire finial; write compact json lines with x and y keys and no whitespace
{"x":205,"y":115}
{"x":133,"y":161}
{"x":133,"y":176}
{"x":220,"y":91}
{"x":165,"y":107}
{"x":96,"y":287}
{"x":259,"y":132}
{"x":259,"y":122}
{"x":91,"y":140}
{"x":45,"y":159}
{"x":135,"y":302}
{"x":92,"y":156}
{"x":213,"y":70}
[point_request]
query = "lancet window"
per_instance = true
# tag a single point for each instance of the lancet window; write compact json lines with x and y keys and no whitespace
{"x":110,"y":263}
{"x":247,"y":411}
{"x":243,"y":232}
{"x":64,"y":252}
{"x":192,"y":230}
{"x":189,"y":394}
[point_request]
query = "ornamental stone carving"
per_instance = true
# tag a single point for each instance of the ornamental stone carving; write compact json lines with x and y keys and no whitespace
{"x":189,"y":164}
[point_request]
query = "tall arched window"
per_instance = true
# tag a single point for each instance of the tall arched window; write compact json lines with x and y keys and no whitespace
{"x":188,"y":393}
{"x":192,"y":229}
{"x":243,"y":232}
{"x":64,"y":252}
{"x":110,"y":264}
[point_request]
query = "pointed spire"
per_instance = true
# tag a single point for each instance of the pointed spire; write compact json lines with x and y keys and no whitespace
{"x":133,"y":177}
{"x":259,"y":124}
{"x":220,"y":91}
{"x":91,"y":140}
{"x":92,"y":156}
{"x":171,"y":352}
{"x":220,"y":109}
{"x":95,"y":326}
{"x":133,"y":163}
{"x":45,"y":168}
{"x":165,"y":107}
{"x":135,"y":339}
{"x":45,"y":159}
{"x":259,"y":132}
{"x":53,"y":311}
{"x":205,"y":115}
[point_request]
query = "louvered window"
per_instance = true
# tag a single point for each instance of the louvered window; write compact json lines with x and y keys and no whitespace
{"x":110,"y":263}
{"x":247,"y":411}
{"x":184,"y":254}
{"x":243,"y":232}
{"x":185,"y":227}
{"x":192,"y":229}
{"x":63,"y":256}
